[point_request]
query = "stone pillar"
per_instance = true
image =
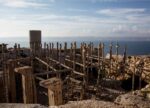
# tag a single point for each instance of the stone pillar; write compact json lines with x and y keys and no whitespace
{"x":28,"y":84}
{"x":54,"y":87}
{"x":2,"y":90}
{"x":35,"y":41}
{"x":11,"y":83}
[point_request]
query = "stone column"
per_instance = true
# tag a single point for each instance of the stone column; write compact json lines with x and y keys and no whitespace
{"x":54,"y":87}
{"x":35,"y":41}
{"x":11,"y":83}
{"x":28,"y":84}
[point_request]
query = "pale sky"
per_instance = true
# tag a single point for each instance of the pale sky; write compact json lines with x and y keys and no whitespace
{"x":100,"y":18}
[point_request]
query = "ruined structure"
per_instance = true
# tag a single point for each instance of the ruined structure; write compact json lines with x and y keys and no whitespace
{"x":53,"y":74}
{"x":54,"y":90}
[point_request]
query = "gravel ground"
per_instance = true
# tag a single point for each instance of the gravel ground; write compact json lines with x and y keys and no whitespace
{"x":13,"y":105}
{"x":129,"y":100}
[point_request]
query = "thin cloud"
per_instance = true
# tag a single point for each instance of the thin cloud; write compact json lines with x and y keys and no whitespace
{"x":94,"y":1}
{"x":21,"y":3}
{"x":77,"y":10}
{"x":60,"y":20}
{"x":63,"y":25}
{"x":121,"y":11}
{"x":131,"y":15}
{"x":104,"y":1}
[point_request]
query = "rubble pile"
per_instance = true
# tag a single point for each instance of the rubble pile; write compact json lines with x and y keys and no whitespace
{"x":128,"y":100}
{"x":136,"y":99}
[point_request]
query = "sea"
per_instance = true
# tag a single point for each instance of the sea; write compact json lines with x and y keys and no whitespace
{"x":138,"y":47}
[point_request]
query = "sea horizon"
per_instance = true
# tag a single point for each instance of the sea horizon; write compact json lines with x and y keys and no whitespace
{"x":134,"y":46}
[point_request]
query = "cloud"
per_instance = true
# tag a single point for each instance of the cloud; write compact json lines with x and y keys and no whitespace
{"x":112,"y":21}
{"x":128,"y":15}
{"x":65,"y":25}
{"x":52,"y":1}
{"x":94,"y":1}
{"x":130,"y":30}
{"x":129,"y":21}
{"x":104,"y":1}
{"x":21,"y":3}
{"x":125,"y":28}
{"x":77,"y":10}
{"x":54,"y":25}
{"x":121,"y":11}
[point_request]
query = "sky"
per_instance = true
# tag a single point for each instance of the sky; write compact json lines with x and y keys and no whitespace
{"x":71,"y":18}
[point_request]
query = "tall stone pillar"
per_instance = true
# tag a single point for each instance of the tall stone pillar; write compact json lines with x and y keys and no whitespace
{"x":28,"y":84}
{"x":35,"y":41}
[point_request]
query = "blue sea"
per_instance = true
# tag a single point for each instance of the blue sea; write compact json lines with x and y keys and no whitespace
{"x":139,"y":47}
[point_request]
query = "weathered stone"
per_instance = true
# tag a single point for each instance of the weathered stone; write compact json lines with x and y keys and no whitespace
{"x":8,"y":105}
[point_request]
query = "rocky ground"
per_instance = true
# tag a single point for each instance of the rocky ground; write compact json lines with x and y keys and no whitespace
{"x":128,"y":100}
{"x":4,"y":105}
